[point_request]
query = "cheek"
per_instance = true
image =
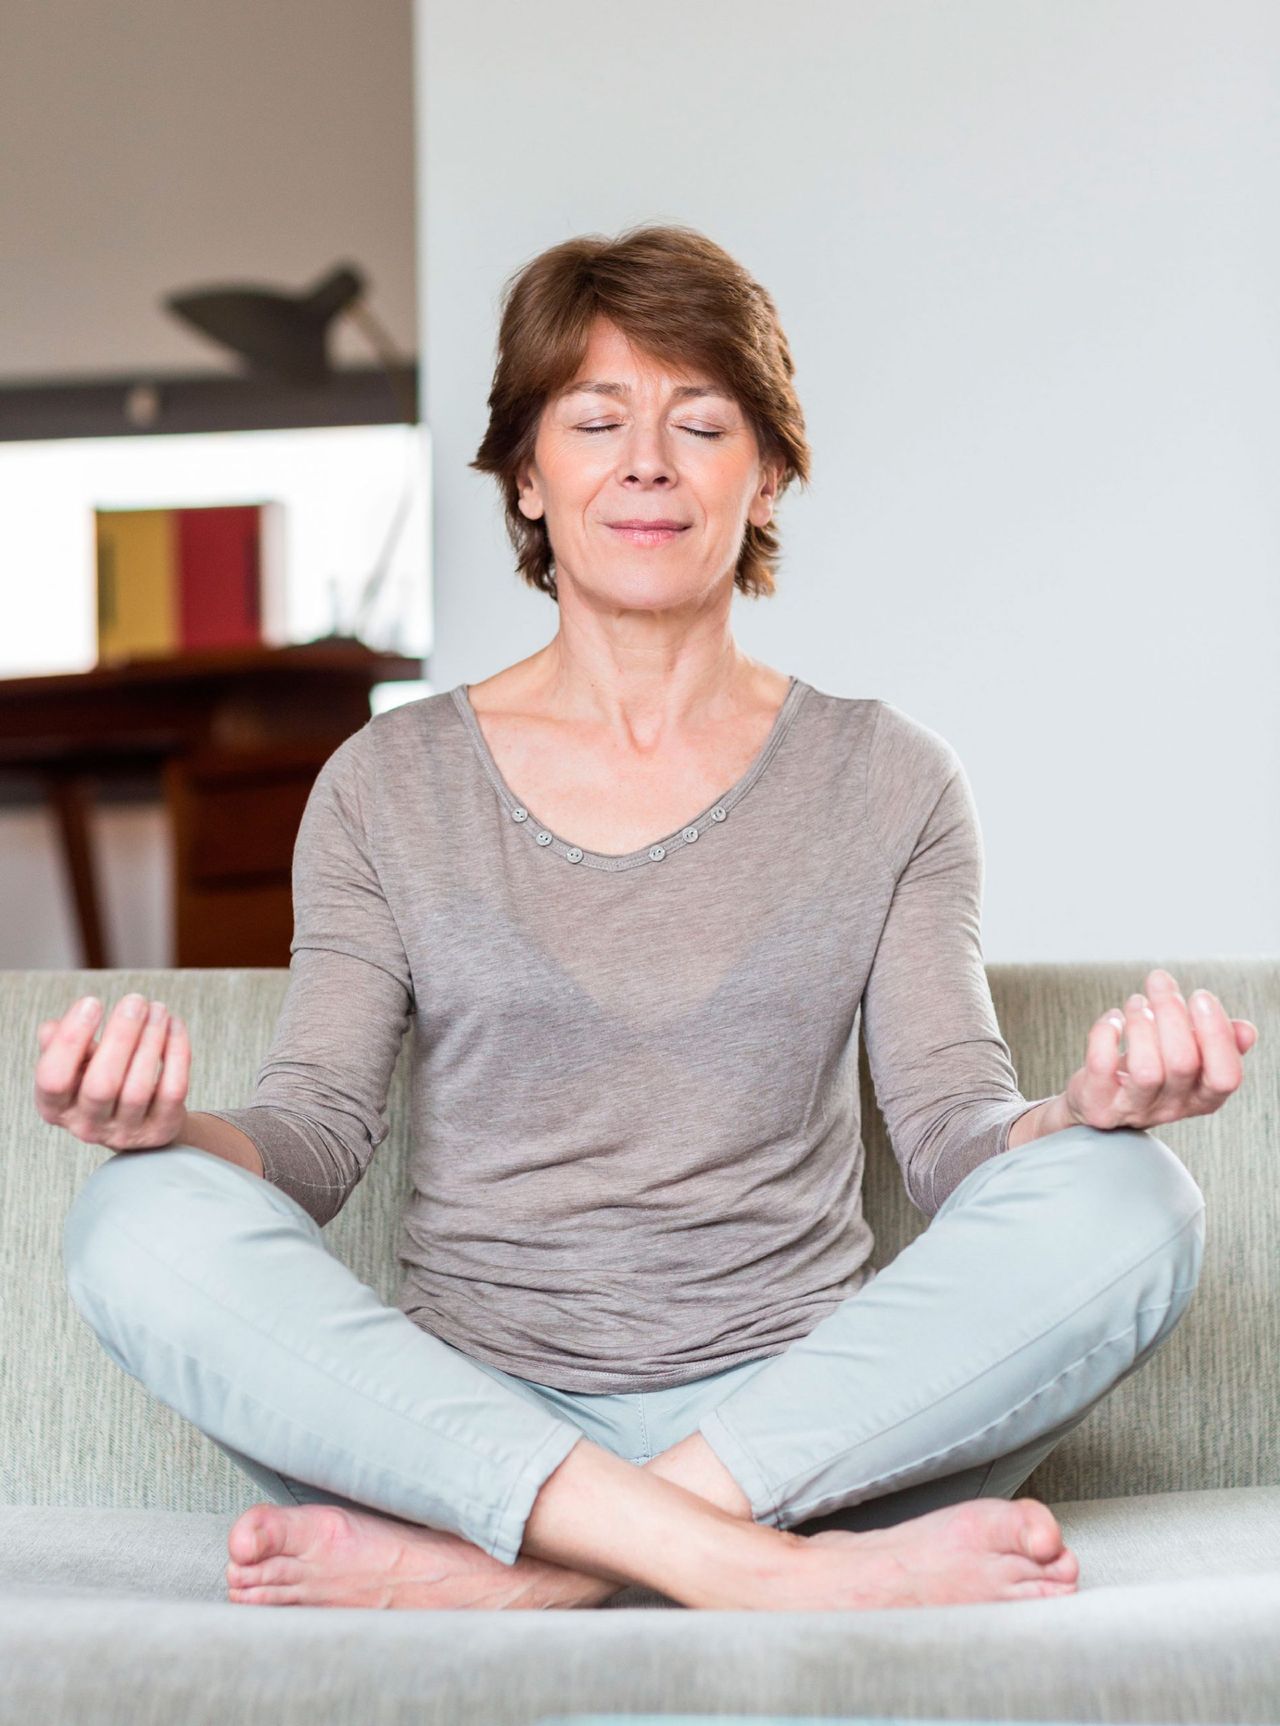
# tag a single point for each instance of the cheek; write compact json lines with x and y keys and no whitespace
{"x":727,"y":502}
{"x":575,"y":475}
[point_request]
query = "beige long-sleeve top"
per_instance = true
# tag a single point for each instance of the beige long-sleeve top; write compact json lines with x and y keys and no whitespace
{"x":636,"y":1155}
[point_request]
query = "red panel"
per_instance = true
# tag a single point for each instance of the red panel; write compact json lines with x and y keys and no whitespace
{"x":219,"y":598}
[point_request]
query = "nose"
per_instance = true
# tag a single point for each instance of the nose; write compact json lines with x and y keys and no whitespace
{"x":646,"y":457}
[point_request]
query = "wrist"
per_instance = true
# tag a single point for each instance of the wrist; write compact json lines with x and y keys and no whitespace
{"x":1052,"y":1116}
{"x":1058,"y":1115}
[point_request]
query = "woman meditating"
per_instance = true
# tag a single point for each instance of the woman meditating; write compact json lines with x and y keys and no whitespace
{"x":631,"y":898}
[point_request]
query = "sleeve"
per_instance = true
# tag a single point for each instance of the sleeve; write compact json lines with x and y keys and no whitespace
{"x":943,"y":1075}
{"x":318,"y":1109}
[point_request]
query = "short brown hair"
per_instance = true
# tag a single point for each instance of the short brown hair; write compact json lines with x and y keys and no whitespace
{"x":677,"y":297}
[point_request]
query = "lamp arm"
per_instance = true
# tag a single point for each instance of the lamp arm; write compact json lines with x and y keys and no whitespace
{"x":385,"y":348}
{"x":372,"y":588}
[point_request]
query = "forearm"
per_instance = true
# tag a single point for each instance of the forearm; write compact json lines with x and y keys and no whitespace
{"x":221,"y":1139}
{"x":1038,"y":1123}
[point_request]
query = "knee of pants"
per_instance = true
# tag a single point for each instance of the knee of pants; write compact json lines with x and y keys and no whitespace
{"x":137,"y":1195}
{"x":1125,"y":1186}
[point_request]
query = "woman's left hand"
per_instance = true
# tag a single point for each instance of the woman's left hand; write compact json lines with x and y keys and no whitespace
{"x":1180,"y":1060}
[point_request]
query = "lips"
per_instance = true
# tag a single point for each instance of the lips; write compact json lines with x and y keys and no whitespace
{"x":647,"y":533}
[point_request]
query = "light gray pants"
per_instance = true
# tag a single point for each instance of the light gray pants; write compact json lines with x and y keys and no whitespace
{"x":1048,"y":1275}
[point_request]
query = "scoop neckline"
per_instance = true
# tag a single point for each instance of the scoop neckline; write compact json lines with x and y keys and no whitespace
{"x":657,"y":849}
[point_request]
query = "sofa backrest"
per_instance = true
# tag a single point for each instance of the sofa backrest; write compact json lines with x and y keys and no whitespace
{"x":76,"y":1430}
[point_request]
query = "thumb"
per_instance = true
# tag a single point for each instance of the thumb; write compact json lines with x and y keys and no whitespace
{"x":1246,"y":1034}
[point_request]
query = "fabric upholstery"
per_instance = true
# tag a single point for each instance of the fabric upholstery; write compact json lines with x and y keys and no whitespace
{"x":87,"y":1434}
{"x":114,"y":1513}
{"x":1146,"y":1644}
{"x":181,"y":1554}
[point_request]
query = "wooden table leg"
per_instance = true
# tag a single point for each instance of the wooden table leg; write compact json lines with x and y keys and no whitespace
{"x":67,"y":795}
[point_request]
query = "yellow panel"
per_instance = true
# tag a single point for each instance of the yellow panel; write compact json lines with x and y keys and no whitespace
{"x":137,"y":584}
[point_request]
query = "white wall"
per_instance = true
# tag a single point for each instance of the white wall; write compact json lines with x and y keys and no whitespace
{"x":1028,"y":261}
{"x":150,"y":145}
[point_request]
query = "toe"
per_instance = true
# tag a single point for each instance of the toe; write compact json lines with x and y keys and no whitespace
{"x":258,"y":1534}
{"x":1041,"y":1590}
{"x":1064,"y":1568}
{"x":262,"y":1596}
{"x":282,"y":1569}
{"x":1040,"y":1537}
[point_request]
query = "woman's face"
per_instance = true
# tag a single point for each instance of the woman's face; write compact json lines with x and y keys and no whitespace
{"x":628,"y":441}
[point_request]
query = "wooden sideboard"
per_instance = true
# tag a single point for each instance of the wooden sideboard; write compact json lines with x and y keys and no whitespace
{"x":231,"y":740}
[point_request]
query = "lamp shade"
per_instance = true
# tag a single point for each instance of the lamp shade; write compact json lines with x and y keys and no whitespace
{"x":280,"y":333}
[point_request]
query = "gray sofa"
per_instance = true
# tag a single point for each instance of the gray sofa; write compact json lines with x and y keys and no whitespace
{"x":114,"y":1511}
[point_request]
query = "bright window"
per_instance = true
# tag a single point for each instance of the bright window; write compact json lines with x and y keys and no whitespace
{"x":344,"y":488}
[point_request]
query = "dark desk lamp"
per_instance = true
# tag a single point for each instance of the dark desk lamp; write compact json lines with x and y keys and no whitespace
{"x":286,"y":336}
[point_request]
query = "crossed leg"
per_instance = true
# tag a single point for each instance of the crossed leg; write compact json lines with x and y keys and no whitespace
{"x":216,"y":1291}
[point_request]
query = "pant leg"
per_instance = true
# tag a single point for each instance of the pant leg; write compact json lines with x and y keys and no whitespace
{"x":1049,"y":1275}
{"x":216,"y":1291}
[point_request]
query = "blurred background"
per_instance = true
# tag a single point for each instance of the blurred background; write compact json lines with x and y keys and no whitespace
{"x":1026,"y":255}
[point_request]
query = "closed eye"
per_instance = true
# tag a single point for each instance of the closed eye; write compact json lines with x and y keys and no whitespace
{"x":697,"y":432}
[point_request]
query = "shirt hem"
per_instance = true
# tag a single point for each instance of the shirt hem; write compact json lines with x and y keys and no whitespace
{"x":550,"y":1376}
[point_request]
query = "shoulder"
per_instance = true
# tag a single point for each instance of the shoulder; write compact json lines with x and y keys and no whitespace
{"x":881,"y":738}
{"x":404,"y":726}
{"x":902,"y":745}
{"x":390,"y":744}
{"x":914,"y":777}
{"x":370,"y":770}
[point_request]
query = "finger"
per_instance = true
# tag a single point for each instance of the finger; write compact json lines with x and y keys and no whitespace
{"x":45,"y":1031}
{"x":59,"y":1067}
{"x":1179,"y":1047}
{"x":176,"y":1069}
{"x":1102,"y":1063}
{"x":139,"y":1084}
{"x":1221,"y":1069}
{"x":1246,"y":1034}
{"x":100,"y":1087}
{"x":1143,"y":1059}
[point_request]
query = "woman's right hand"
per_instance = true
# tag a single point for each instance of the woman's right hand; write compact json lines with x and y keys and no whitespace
{"x":127,"y":1092}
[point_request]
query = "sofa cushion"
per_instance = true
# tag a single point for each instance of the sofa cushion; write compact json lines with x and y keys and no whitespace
{"x":119,"y":1618}
{"x":159,"y":1554}
{"x":1174,"y":1619}
{"x":86,"y":1434}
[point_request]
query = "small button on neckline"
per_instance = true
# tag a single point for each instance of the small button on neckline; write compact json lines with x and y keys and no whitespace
{"x":655,"y":853}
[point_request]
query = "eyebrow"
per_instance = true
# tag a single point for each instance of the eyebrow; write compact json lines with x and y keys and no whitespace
{"x":594,"y":386}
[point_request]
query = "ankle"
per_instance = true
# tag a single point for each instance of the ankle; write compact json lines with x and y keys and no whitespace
{"x":743,"y":1568}
{"x":694,"y":1465}
{"x":598,"y":1514}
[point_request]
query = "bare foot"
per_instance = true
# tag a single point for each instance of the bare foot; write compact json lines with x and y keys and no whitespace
{"x":323,"y":1555}
{"x":984,"y":1549}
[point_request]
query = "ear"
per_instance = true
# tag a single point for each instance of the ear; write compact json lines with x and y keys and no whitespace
{"x":530,"y":499}
{"x":763,"y":503}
